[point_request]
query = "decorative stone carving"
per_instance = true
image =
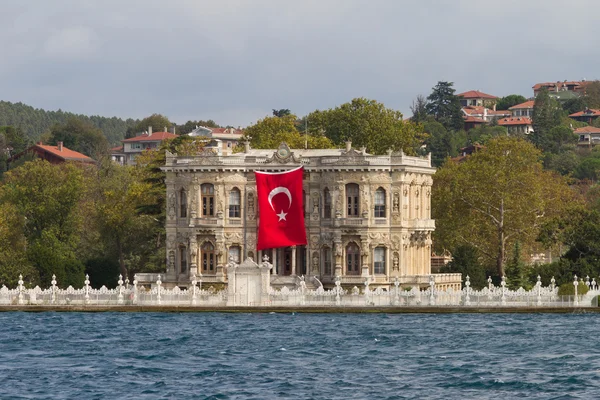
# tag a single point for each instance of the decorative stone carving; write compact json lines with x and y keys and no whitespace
{"x":314,"y":242}
{"x":420,"y":238}
{"x":172,"y":204}
{"x":171,"y":261}
{"x":251,"y":211}
{"x":315,"y":262}
{"x":396,"y":262}
{"x":283,"y":155}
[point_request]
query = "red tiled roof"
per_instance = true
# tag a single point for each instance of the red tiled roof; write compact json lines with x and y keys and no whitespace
{"x":514,"y":121}
{"x":586,"y":113}
{"x":587,"y":129}
{"x":479,"y":110}
{"x":498,"y":112}
{"x":474,"y":120}
{"x":65,"y":154}
{"x":558,"y":85}
{"x":476,"y":94}
{"x":117,"y":149}
{"x":155,"y":137}
{"x":527,"y":104}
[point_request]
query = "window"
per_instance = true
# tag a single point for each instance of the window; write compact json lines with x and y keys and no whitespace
{"x":182,"y":203}
{"x":380,"y":203}
{"x":234,"y":203}
{"x":208,"y":200}
{"x":182,"y":260}
{"x":379,"y":260}
{"x":326,"y":204}
{"x":352,"y":199}
{"x":234,"y":254}
{"x":208,"y":257}
{"x":326,"y":261}
{"x":352,"y":259}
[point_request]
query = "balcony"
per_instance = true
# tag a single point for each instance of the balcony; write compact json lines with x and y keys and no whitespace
{"x":212,"y":221}
{"x":353,"y":222}
{"x":422,"y":224}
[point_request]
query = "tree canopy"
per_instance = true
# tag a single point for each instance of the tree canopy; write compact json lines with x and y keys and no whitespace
{"x":80,"y":136}
{"x":508,"y":101}
{"x":496,"y":197}
{"x":445,"y":107}
{"x":269,"y":132}
{"x":367,"y":123}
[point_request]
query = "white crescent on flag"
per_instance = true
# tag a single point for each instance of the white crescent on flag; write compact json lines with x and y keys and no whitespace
{"x":275,"y":192}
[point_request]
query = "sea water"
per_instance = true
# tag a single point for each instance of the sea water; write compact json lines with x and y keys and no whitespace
{"x":298,"y":356}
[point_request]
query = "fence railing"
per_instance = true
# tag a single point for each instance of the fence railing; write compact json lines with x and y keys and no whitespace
{"x":301,"y":296}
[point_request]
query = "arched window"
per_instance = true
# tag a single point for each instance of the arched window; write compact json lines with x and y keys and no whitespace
{"x":352,"y":259}
{"x":208,"y":199}
{"x":182,"y":203}
{"x":208,"y":258}
{"x":379,"y":260}
{"x":380,"y":203}
{"x":234,"y":203}
{"x":326,"y":204}
{"x":182,"y":259}
{"x":352,"y":194}
{"x":326,"y":255}
{"x":235,"y":254}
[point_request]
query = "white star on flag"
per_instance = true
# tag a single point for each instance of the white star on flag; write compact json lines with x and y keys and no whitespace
{"x":281,"y":215}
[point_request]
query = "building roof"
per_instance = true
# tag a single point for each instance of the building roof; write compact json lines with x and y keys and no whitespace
{"x":155,"y":137}
{"x":475,"y":94}
{"x":587,"y":129}
{"x":64,"y":153}
{"x":558,"y":85}
{"x":514,"y":121}
{"x":589,"y":112}
{"x":474,"y":120}
{"x":527,"y":104}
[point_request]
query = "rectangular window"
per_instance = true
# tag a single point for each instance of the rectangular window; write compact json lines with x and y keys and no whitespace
{"x":379,"y":260}
{"x":182,"y":260}
{"x":352,"y":193}
{"x":326,"y":261}
{"x":326,"y":204}
{"x":379,"y":204}
{"x":234,"y":204}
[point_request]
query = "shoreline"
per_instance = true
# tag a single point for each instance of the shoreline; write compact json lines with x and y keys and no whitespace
{"x":309,"y":310}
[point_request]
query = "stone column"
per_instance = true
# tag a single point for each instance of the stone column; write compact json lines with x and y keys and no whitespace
{"x":193,"y":249}
{"x":364,"y":255}
{"x":293,"y":260}
{"x":274,"y":261}
{"x":337,"y":245}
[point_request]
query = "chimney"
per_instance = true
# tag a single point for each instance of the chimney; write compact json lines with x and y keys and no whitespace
{"x":348,"y":145}
{"x":150,"y":130}
{"x":60,"y":146}
{"x":173,"y":129}
{"x":247,"y":146}
{"x":165,"y":129}
{"x":40,"y":143}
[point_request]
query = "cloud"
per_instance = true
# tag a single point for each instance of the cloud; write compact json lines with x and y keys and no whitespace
{"x":70,"y":43}
{"x":235,"y":60}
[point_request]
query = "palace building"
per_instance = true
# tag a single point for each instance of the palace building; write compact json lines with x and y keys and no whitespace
{"x":366,"y":216}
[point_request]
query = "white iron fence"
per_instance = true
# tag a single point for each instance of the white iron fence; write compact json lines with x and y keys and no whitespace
{"x":396,"y":296}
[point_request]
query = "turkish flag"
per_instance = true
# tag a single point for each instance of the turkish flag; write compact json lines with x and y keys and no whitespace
{"x":281,"y":209}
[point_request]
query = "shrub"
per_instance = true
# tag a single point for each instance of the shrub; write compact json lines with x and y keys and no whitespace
{"x":568,"y":289}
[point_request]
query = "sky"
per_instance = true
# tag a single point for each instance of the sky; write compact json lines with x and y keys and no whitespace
{"x":234,"y":61}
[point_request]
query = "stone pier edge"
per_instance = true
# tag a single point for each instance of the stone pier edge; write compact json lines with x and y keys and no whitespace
{"x":313,"y":310}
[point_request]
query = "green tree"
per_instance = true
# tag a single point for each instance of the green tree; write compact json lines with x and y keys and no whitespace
{"x":158,"y":122}
{"x":565,"y":163}
{"x":269,"y":132}
{"x":191,"y":125}
{"x":516,"y":271}
{"x":79,"y":136}
{"x":367,"y":123}
{"x":465,"y":260}
{"x":592,"y":95}
{"x":13,"y":246}
{"x":281,"y":113}
{"x":441,"y":143}
{"x":483,"y":133}
{"x":497,"y":196}
{"x":547,"y":114}
{"x":48,"y":198}
{"x":445,"y":107}
{"x":419,"y":110}
{"x":574,"y":105}
{"x":508,"y":101}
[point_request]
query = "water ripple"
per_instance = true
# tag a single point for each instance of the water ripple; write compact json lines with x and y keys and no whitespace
{"x":291,"y":356}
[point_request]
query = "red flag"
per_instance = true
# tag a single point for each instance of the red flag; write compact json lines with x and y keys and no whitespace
{"x":280,"y":205}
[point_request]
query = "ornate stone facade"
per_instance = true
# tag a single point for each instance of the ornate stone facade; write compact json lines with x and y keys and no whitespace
{"x":366,"y":216}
